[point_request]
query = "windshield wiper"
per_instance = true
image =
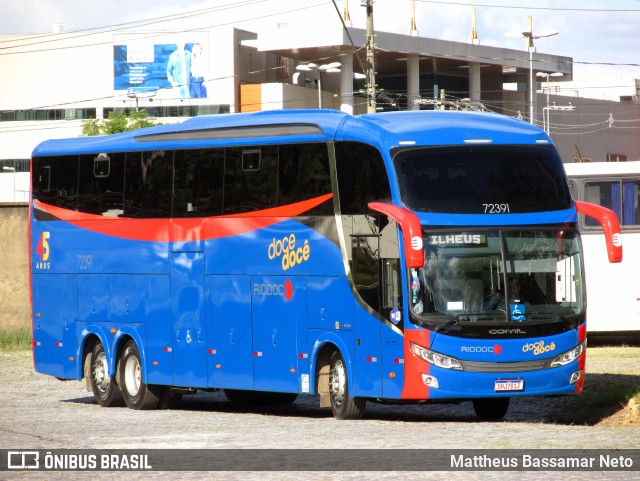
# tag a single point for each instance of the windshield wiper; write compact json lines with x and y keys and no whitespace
{"x":451,"y":322}
{"x":462,"y":317}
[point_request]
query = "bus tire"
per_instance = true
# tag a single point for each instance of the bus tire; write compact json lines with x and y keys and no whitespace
{"x":491,"y":409}
{"x":136,"y":394}
{"x":105,"y":388}
{"x":343,"y":405}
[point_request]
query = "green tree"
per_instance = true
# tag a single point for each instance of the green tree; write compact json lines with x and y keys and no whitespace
{"x":91,"y":127}
{"x":139,"y":119}
{"x":117,"y":122}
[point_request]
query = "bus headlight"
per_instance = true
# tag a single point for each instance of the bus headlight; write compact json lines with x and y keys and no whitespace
{"x":569,"y":356}
{"x":435,"y":358}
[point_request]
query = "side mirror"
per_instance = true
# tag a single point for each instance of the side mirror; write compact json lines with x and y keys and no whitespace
{"x":610,"y":225}
{"x":411,"y":230}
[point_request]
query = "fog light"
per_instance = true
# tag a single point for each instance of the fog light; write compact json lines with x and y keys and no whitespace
{"x":575,"y":377}
{"x":430,"y":381}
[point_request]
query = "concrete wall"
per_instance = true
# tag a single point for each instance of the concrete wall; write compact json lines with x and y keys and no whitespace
{"x":15,"y":309}
{"x":587,"y":126}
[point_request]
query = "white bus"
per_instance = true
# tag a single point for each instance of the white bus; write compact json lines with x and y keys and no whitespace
{"x":614,"y":289}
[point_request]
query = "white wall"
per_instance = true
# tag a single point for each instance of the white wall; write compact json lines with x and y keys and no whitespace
{"x":18,"y":139}
{"x":287,"y":96}
{"x":7,"y":193}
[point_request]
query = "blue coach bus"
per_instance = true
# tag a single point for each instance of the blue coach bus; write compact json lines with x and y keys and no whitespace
{"x":404,"y":256}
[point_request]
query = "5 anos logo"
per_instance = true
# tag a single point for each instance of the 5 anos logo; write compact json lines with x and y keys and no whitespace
{"x":42,"y":249}
{"x":286,"y":249}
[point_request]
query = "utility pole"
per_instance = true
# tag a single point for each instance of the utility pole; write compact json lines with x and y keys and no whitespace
{"x":371,"y":61}
{"x":531,"y":48}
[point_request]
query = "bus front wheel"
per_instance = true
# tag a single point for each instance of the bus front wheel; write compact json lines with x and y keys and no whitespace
{"x":105,"y":388}
{"x":491,"y":409}
{"x":137,"y":394}
{"x":343,"y":405}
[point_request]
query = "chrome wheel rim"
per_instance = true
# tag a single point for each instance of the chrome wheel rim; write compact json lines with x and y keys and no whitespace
{"x":100,"y":369}
{"x":337,"y":382}
{"x":132,"y":376}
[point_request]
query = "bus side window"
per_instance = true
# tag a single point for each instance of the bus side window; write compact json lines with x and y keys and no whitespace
{"x":149,"y":184}
{"x":375,"y":263}
{"x":56,"y":180}
{"x":197,"y":185}
{"x":303,"y":173}
{"x":101,"y":184}
{"x":365,"y":268}
{"x":362,"y":177}
{"x":250,"y":178}
{"x":619,"y":196}
{"x":630,"y":207}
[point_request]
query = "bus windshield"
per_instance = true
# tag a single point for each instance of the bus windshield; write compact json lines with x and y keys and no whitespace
{"x":509,"y":276}
{"x":482,"y":179}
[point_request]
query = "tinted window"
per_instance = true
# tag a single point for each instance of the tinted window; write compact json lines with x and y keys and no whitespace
{"x":622,"y":197}
{"x":362,"y":177}
{"x":148,"y":186}
{"x":250,"y":179}
{"x":198,"y":182}
{"x":364,"y":268}
{"x":101,"y":184}
{"x":303,"y":173}
{"x":262,"y":177}
{"x":55,"y":180}
{"x":482,"y":179}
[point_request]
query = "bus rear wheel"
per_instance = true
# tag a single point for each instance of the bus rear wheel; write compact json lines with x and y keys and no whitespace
{"x":491,"y":409}
{"x":105,"y":388}
{"x":136,"y":394}
{"x":343,"y":405}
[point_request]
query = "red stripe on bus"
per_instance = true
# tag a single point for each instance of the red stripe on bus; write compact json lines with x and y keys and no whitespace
{"x":181,"y":230}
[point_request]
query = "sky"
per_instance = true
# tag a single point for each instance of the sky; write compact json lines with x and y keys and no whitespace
{"x":602,"y":36}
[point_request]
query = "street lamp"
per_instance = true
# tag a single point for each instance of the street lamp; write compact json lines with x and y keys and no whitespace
{"x":547,"y":112}
{"x":531,"y":48}
{"x":545,"y":124}
{"x":329,"y":67}
{"x":12,"y":169}
{"x":138,"y":93}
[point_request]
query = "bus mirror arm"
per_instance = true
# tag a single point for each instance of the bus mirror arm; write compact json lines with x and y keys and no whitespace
{"x":411,"y":230}
{"x":610,"y":225}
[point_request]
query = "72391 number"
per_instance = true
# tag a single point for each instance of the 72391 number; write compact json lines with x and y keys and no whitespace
{"x":496,"y":208}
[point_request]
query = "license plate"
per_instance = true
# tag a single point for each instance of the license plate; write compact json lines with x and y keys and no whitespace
{"x":502,"y":385}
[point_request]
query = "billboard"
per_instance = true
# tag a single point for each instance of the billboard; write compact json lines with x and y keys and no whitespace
{"x":164,"y":66}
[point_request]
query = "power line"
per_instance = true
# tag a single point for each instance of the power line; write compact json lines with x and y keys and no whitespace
{"x":104,"y":30}
{"x":54,"y":37}
{"x":527,"y":7}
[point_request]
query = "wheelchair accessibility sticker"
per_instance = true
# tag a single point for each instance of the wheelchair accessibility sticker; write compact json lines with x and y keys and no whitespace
{"x":518,"y":312}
